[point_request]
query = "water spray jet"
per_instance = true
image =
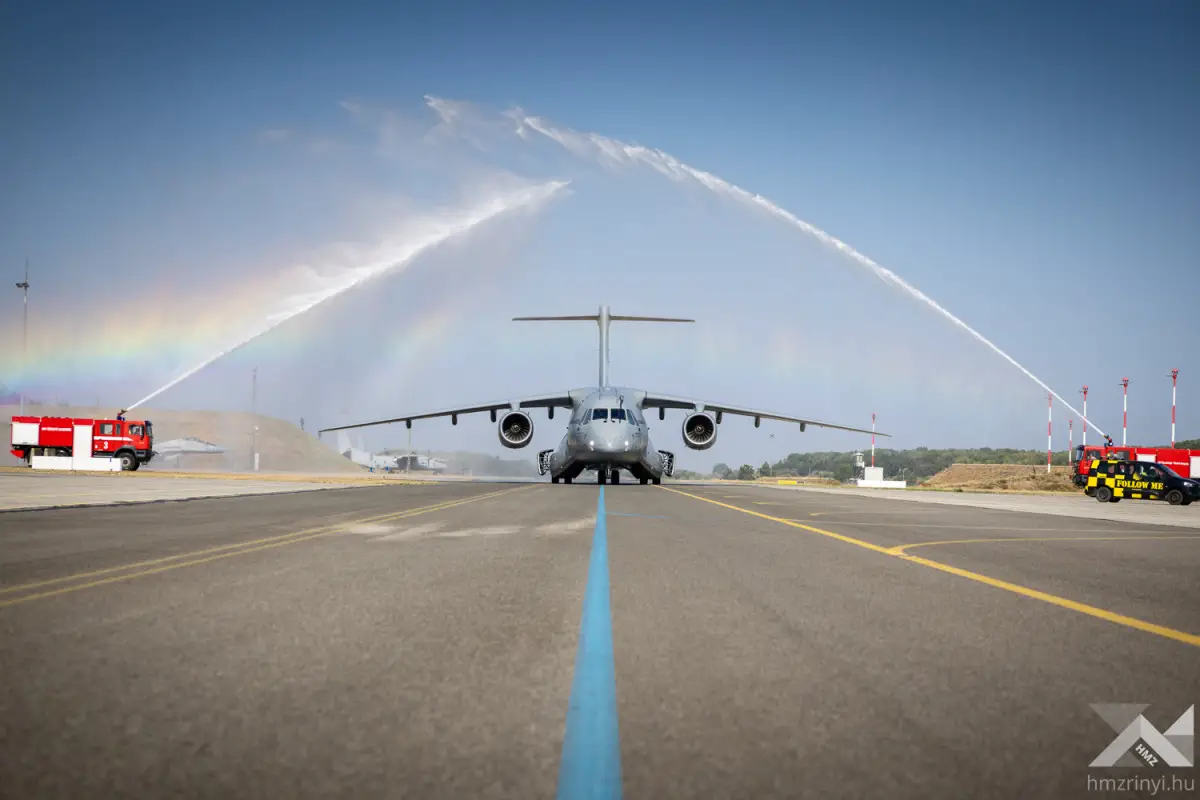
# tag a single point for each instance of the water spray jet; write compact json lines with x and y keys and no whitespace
{"x":437,"y":232}
{"x":608,"y":151}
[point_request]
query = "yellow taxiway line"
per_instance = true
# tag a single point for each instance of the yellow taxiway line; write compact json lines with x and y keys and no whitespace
{"x":224,"y":551}
{"x":901,"y":550}
{"x":1062,"y":602}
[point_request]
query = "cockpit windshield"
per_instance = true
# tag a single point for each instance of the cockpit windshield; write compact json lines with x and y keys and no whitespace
{"x":614,"y":415}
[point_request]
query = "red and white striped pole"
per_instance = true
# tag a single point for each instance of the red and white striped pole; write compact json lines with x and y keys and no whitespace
{"x":1125,"y":409}
{"x":1085,"y":416}
{"x":1174,"y":379}
{"x":1070,"y":438}
{"x":872,"y":439}
{"x":1049,"y":423}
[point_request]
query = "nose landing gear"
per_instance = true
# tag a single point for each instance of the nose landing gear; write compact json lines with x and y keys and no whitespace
{"x":610,"y":475}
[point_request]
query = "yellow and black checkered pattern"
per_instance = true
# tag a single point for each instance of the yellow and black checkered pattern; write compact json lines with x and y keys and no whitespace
{"x":1103,"y":473}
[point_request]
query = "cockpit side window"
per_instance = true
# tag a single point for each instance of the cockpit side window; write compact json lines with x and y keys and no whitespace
{"x":600,"y":413}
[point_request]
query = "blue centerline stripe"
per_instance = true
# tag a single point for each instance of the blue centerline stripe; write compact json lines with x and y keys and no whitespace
{"x":591,"y":754}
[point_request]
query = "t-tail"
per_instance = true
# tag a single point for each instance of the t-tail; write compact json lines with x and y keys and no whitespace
{"x":602,"y":318}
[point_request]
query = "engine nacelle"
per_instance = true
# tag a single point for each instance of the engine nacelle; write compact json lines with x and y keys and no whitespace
{"x":516,"y":429}
{"x":699,"y":431}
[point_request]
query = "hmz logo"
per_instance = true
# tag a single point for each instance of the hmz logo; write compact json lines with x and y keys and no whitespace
{"x":1139,"y":743}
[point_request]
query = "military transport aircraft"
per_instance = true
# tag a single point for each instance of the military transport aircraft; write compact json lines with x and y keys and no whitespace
{"x":607,"y":431}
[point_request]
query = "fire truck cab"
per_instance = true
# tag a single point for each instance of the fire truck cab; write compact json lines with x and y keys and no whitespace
{"x":1185,"y":463}
{"x":69,"y":443}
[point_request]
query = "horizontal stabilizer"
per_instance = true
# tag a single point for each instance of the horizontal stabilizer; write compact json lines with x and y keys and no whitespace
{"x":603,"y":318}
{"x":596,"y":318}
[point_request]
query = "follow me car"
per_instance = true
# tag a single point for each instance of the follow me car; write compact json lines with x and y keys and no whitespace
{"x":1111,"y":481}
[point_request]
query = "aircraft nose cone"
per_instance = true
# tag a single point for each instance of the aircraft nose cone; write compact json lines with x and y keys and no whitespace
{"x":609,"y":441}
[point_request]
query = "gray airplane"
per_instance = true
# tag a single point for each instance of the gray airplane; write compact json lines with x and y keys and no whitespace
{"x":607,"y":431}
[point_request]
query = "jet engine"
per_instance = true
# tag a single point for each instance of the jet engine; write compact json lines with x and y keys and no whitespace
{"x":516,"y":429}
{"x":699,"y":431}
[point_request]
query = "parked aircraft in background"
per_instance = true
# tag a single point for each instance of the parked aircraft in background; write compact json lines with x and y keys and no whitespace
{"x":173,"y":450}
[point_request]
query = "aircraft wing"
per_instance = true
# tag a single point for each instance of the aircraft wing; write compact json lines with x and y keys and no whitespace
{"x":562,"y":400}
{"x":652,"y":400}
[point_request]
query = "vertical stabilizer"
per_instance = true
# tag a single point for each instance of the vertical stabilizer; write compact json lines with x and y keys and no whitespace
{"x":602,"y":318}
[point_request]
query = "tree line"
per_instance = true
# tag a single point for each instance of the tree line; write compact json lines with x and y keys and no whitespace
{"x":916,"y":464}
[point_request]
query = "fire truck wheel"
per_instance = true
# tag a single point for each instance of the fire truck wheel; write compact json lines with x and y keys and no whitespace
{"x":128,"y":462}
{"x":1175,"y":497}
{"x":1104,"y":494}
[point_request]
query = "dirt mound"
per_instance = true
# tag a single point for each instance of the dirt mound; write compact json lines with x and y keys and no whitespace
{"x":1002,"y":477}
{"x":282,"y":446}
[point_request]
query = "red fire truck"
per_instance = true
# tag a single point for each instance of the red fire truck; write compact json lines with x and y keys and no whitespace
{"x":1185,"y":463}
{"x":129,"y":441}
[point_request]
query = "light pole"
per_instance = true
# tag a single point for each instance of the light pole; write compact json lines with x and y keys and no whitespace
{"x":872,"y":439}
{"x":1174,"y":379}
{"x":1049,"y":424}
{"x":24,"y":286}
{"x":254,"y":419}
{"x":1084,"y":392}
{"x":1125,"y":409}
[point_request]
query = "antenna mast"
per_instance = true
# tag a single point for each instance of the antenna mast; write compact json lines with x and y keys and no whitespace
{"x":24,"y":286}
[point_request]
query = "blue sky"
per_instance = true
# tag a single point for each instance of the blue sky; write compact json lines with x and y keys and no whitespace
{"x":1031,"y":166}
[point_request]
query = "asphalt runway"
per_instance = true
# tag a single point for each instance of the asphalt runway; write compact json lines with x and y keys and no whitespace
{"x":528,"y":640}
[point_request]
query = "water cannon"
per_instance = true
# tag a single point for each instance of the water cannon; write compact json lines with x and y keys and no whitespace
{"x":121,"y":414}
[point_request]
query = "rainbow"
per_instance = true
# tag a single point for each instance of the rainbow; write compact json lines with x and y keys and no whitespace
{"x":162,"y":333}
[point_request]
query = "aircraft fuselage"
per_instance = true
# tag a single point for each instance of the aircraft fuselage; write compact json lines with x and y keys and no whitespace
{"x":607,"y":432}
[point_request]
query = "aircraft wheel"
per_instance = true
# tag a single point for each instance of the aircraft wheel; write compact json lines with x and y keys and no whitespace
{"x":614,"y":476}
{"x":600,"y":476}
{"x":566,"y":480}
{"x":657,"y":481}
{"x":645,"y":481}
{"x":553,"y":479}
